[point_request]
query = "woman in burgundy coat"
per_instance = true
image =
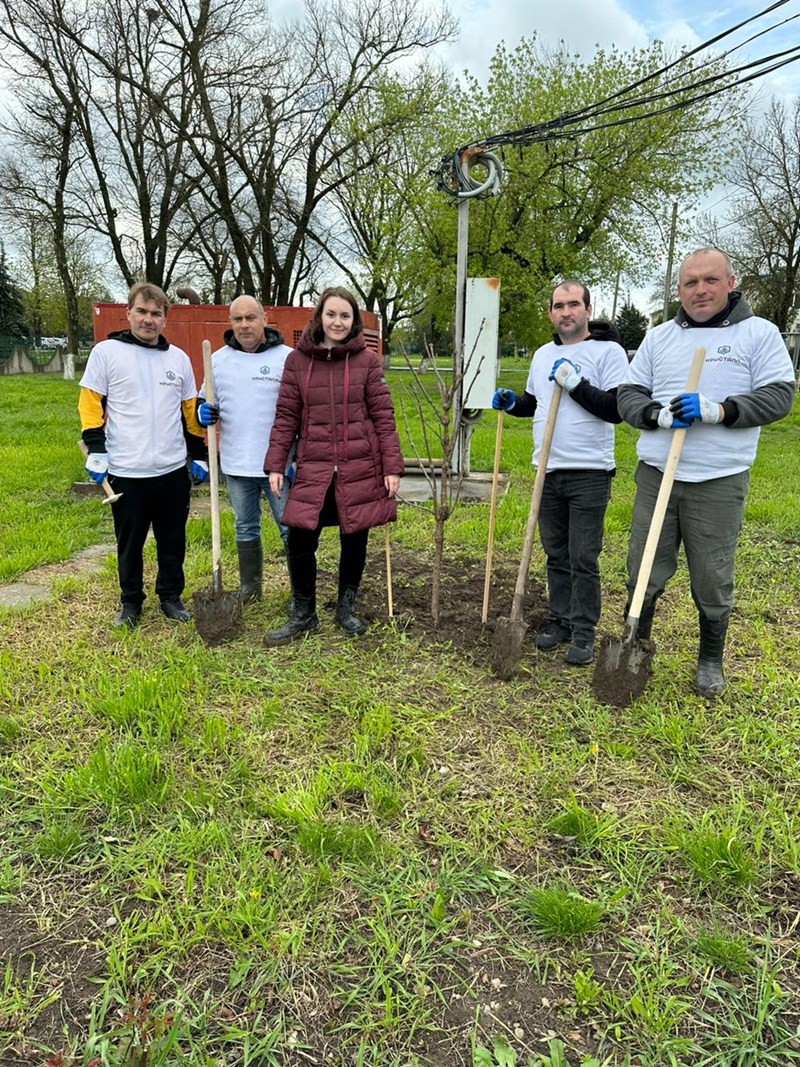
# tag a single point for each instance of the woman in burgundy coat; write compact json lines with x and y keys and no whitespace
{"x":334,"y":400}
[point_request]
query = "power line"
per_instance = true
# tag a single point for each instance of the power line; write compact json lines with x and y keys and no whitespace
{"x":681,"y":90}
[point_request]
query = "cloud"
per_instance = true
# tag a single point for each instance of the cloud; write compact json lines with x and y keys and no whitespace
{"x":583,"y":25}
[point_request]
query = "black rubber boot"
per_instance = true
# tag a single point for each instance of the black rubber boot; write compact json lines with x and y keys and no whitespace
{"x":302,"y":620}
{"x":556,"y":634}
{"x":251,"y":569}
{"x":710,"y":676}
{"x":344,"y":612}
{"x":645,"y":620}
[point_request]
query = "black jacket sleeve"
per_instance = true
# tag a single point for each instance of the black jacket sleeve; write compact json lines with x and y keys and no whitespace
{"x":524,"y":406}
{"x":602,"y":403}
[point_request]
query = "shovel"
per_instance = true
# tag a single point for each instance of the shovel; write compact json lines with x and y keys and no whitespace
{"x":487,"y":578}
{"x":510,"y":632}
{"x":217,"y":615}
{"x":623,"y":667}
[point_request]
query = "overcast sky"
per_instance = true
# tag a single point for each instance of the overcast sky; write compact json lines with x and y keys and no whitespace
{"x":585,"y":24}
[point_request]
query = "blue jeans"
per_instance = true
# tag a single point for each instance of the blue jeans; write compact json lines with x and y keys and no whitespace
{"x":245,"y":497}
{"x":571,"y":520}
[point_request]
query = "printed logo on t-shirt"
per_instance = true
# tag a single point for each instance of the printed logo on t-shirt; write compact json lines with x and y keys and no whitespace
{"x":724,"y":350}
{"x":172,"y":379}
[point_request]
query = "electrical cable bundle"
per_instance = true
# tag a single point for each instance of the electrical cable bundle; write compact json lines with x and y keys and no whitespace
{"x":454,"y":171}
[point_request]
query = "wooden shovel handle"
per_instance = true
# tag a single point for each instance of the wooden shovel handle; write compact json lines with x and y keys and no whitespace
{"x":662,"y":500}
{"x":213,"y":471}
{"x":388,"y":550}
{"x":492,"y":512}
{"x":536,"y":499}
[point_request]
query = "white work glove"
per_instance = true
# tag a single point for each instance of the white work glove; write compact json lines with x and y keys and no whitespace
{"x":97,"y":466}
{"x":668,"y":421}
{"x":566,"y":374}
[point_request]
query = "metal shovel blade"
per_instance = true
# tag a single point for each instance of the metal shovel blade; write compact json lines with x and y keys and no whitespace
{"x":623,"y":669}
{"x":217,"y":615}
{"x":509,"y":635}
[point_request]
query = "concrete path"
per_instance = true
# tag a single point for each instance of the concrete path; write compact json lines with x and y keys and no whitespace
{"x":37,"y":583}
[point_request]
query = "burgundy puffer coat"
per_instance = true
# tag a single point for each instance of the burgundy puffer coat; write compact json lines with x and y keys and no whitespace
{"x":337,"y":402}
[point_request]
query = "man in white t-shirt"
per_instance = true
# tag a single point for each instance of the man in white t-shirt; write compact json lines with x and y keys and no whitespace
{"x":137,"y":410}
{"x":247,"y":375}
{"x":747,"y":381}
{"x":587,"y":362}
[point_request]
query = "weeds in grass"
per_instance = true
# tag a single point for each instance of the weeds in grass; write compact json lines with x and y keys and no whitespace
{"x":717,"y":857}
{"x":559,"y":911}
{"x":264,"y":839}
{"x":746,"y":1022}
{"x":589,"y":829}
{"x":725,"y":952}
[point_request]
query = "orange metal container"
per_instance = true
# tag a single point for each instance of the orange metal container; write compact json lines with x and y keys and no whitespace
{"x":188,"y":325}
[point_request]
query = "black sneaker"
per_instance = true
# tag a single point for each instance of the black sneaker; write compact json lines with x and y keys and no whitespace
{"x":580,"y":654}
{"x":128,"y":617}
{"x":556,"y":634}
{"x":174,"y":609}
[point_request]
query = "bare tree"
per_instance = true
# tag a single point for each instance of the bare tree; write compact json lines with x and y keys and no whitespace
{"x":766,"y":213}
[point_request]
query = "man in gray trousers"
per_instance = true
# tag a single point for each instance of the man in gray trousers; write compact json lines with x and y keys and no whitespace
{"x":747,"y":381}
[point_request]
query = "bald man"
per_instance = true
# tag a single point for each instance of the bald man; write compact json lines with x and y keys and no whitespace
{"x":247,"y":373}
{"x":747,"y":381}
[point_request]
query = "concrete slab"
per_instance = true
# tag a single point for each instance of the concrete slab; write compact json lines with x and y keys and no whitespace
{"x":477,"y":488}
{"x":22,"y":594}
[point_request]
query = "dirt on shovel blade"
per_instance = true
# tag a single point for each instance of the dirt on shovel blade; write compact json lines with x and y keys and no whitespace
{"x":622,"y":670}
{"x":509,"y":635}
{"x":217,"y":616}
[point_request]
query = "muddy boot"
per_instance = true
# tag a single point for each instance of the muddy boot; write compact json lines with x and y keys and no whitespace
{"x":302,"y":620}
{"x":251,"y":569}
{"x":710,"y":677}
{"x":344,"y":612}
{"x":646,"y":622}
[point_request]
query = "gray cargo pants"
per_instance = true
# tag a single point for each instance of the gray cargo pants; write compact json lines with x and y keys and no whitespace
{"x":706,"y":517}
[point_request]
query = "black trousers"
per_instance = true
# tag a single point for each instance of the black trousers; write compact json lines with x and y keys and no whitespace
{"x":571,"y":520}
{"x":302,"y":553}
{"x":163,"y":503}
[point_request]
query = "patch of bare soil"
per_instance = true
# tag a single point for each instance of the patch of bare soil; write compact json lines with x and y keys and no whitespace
{"x":461,"y":596}
{"x":58,"y":961}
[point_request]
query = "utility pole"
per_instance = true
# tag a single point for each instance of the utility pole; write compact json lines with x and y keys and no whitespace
{"x":670,"y":254}
{"x":616,"y":294}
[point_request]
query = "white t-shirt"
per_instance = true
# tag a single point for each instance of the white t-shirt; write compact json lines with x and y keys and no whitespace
{"x":144,"y":388}
{"x":246,"y":388}
{"x":739,"y":358}
{"x":581,"y":441}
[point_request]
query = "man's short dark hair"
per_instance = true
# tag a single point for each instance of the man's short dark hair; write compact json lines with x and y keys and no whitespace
{"x":573,"y":283}
{"x":146,"y":291}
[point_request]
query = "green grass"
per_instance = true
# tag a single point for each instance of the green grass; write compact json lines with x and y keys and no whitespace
{"x":373,"y":852}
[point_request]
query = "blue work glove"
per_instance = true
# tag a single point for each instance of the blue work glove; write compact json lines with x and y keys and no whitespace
{"x":504,"y":400}
{"x":667,"y":421}
{"x":566,"y":374}
{"x":199,"y":470}
{"x":694,"y":407}
{"x":97,"y":466}
{"x":291,"y":473}
{"x":208,"y":414}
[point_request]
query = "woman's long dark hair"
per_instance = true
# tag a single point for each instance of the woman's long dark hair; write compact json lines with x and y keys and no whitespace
{"x":315,"y":326}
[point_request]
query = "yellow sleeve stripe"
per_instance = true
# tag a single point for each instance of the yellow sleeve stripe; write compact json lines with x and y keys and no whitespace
{"x":90,"y":409}
{"x":190,"y":416}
